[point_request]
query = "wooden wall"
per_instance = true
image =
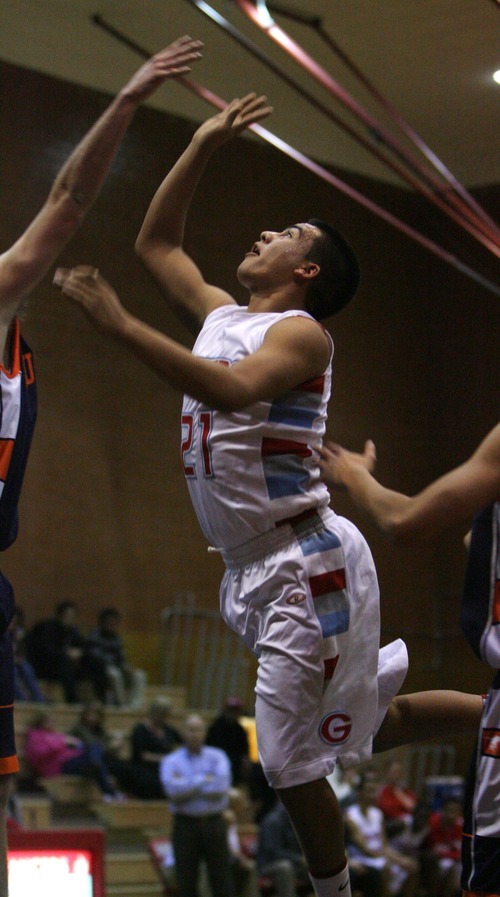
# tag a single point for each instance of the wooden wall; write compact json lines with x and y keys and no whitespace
{"x":105,"y":515}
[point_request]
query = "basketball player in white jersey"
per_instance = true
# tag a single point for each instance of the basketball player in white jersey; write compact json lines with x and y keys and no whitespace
{"x":22,"y":266}
{"x":300,"y":586}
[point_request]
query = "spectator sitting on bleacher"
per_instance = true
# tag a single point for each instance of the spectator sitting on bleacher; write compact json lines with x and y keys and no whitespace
{"x":50,"y":753}
{"x":345,"y":784}
{"x":115,"y":681}
{"x":444,"y":841}
{"x":90,"y":728}
{"x":279,"y":856}
{"x":367,"y":843}
{"x":26,"y":685}
{"x":413,"y":841}
{"x":54,"y":648}
{"x":398,"y":803}
{"x":150,"y":741}
{"x":395,"y":799}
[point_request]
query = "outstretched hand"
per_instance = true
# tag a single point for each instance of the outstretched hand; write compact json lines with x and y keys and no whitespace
{"x":171,"y":62}
{"x":95,"y":297}
{"x":336,"y":463}
{"x":233,"y":119}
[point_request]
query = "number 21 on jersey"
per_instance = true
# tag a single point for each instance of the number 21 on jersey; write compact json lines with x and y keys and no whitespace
{"x":196,"y":425}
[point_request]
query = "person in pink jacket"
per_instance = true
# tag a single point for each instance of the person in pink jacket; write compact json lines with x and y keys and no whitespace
{"x":51,"y":753}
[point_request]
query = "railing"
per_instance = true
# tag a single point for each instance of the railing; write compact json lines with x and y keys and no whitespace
{"x":429,"y":761}
{"x":202,"y":654}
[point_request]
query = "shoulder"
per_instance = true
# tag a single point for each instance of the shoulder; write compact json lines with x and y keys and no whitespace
{"x":172,"y":758}
{"x":302,"y":323}
{"x":215,"y":753}
{"x":489,"y":448}
{"x":301,"y":333}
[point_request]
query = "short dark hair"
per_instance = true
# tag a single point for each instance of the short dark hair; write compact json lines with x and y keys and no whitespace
{"x":108,"y":613}
{"x":339,"y":274}
{"x":63,"y":606}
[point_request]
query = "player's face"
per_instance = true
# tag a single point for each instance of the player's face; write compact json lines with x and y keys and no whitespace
{"x":276,"y":255}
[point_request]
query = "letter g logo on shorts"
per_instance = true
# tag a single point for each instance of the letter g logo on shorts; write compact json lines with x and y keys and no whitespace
{"x":335,"y":727}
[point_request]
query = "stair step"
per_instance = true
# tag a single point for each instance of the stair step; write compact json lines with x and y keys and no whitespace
{"x":129,"y":867}
{"x":134,"y":814}
{"x":135,"y":890}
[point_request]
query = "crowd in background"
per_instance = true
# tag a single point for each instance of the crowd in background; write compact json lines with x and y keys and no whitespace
{"x":84,"y":665}
{"x":398,"y":844}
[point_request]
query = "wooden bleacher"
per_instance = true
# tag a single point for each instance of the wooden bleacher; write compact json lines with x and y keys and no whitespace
{"x":118,"y":719}
{"x":133,"y":813}
{"x":131,"y":873}
{"x":35,"y":810}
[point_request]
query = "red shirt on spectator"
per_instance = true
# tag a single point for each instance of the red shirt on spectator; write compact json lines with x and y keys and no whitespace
{"x":445,"y":836}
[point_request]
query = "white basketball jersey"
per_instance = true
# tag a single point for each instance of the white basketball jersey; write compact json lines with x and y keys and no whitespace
{"x":247,"y":470}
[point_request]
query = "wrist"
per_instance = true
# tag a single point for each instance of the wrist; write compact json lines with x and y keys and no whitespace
{"x":127,"y":99}
{"x":207,"y":143}
{"x":125,"y":327}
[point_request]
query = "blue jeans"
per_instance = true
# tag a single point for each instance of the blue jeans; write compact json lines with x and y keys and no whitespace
{"x":90,"y":763}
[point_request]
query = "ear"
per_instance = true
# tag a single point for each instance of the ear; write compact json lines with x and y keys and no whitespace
{"x":306,"y":270}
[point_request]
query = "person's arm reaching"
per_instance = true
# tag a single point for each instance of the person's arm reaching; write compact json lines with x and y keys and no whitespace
{"x":293,"y":351}
{"x":79,"y":182}
{"x":452,"y":498}
{"x":160,"y":240}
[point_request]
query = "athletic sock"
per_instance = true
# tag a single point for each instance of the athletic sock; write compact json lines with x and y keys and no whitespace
{"x":337,"y":885}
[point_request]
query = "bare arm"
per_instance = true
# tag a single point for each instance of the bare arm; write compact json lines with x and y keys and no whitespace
{"x":160,"y":240}
{"x":294,"y":350}
{"x":452,"y":498}
{"x":79,"y":182}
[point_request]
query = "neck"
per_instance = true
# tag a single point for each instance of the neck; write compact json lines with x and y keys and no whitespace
{"x":280,"y":301}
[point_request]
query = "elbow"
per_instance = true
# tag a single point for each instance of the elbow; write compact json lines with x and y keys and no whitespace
{"x":228,"y":404}
{"x":145,"y":245}
{"x":400,"y":529}
{"x":147,"y":251}
{"x":141,"y":246}
{"x":71,"y":207}
{"x":232,"y":393}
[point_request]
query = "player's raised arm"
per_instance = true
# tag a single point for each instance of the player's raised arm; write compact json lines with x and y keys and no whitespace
{"x":454,"y":497}
{"x":294,"y":350}
{"x":160,"y":240}
{"x":79,"y":181}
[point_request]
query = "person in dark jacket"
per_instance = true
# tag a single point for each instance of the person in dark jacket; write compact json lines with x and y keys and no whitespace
{"x":227,"y":733}
{"x":115,"y":681}
{"x":54,"y":647}
{"x":279,"y":856}
{"x":150,"y":741}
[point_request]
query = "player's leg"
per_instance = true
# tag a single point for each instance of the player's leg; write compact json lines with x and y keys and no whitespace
{"x":317,"y":820}
{"x":8,"y":759}
{"x":428,"y":714}
{"x":5,"y":791}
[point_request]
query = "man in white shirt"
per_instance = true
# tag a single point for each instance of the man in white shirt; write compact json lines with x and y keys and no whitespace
{"x":196,"y":779}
